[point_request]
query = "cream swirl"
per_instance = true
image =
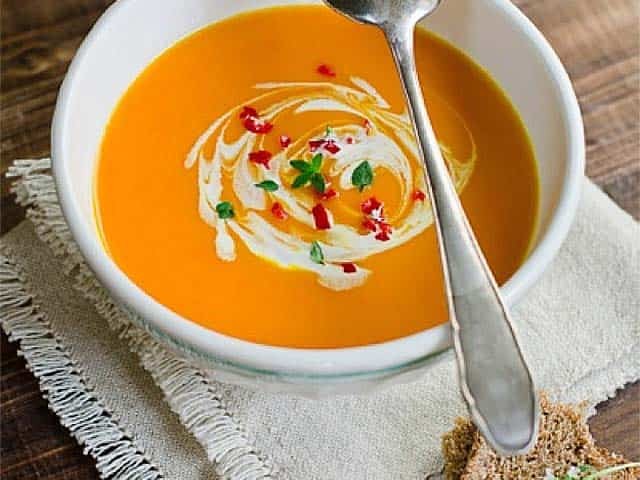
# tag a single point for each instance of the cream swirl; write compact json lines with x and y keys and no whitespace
{"x":375,"y":133}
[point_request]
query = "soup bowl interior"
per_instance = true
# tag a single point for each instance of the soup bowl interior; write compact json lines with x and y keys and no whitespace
{"x":131,"y":34}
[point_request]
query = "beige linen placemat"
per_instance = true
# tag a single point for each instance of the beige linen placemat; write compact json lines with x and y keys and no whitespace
{"x":579,"y":327}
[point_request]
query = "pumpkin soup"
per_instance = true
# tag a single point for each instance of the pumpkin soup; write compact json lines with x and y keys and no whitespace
{"x":261,"y":178}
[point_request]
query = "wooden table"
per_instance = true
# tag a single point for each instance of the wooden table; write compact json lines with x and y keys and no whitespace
{"x":598,"y":41}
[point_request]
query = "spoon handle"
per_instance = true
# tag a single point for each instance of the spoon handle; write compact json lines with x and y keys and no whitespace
{"x":494,"y":378}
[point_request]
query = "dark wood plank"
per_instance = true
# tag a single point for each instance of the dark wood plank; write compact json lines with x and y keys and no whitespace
{"x":617,"y":423}
{"x":599,"y":44}
{"x":598,"y":41}
{"x":39,"y":39}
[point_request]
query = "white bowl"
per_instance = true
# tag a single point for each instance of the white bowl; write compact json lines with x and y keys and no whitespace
{"x":132,"y":32}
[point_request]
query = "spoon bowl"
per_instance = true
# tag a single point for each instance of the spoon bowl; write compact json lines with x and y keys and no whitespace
{"x":379,"y":12}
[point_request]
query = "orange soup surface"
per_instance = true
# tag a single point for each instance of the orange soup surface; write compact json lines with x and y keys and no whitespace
{"x":260,"y":178}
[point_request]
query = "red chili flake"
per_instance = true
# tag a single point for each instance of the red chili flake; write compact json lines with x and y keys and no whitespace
{"x":251,"y":121}
{"x":367,"y":126}
{"x":332,"y":147}
{"x":261,"y":157}
{"x":316,"y":144}
{"x":326,"y":70}
{"x":370,"y":205}
{"x":285,"y":141}
{"x":350,"y":140}
{"x":348,"y":267}
{"x":374,"y":221}
{"x":255,"y":125}
{"x":328,"y":194}
{"x":321,"y":217}
{"x":418,"y":195}
{"x":383,"y":236}
{"x":279,"y":212}
{"x":369,"y":224}
{"x":385,"y":231}
{"x":248,"y":112}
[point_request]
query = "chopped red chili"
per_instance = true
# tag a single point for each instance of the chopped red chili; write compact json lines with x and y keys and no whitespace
{"x":329,"y":145}
{"x":252,"y":122}
{"x":316,"y":144}
{"x":369,"y":224}
{"x":328,"y":194}
{"x":384,"y":231}
{"x":248,"y":112}
{"x":370,"y":205}
{"x":321,"y":217}
{"x":418,"y":195}
{"x":374,"y":221}
{"x":383,"y":236}
{"x":261,"y":157}
{"x":285,"y":141}
{"x":279,"y":212}
{"x":332,"y":147}
{"x":384,"y":226}
{"x":348,"y":267}
{"x":350,"y":140}
{"x":326,"y":70}
{"x":255,"y":125}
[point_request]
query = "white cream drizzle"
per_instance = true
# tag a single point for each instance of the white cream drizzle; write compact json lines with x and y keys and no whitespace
{"x":388,"y":145}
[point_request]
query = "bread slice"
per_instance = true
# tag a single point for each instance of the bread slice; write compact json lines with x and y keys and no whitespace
{"x":564,"y":441}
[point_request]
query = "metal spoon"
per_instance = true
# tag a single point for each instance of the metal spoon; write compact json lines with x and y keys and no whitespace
{"x":494,"y":378}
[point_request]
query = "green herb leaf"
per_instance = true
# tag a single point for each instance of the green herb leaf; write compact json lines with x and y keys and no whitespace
{"x":327,"y":132}
{"x":300,"y":165}
{"x":316,"y":253}
{"x":225,"y":210}
{"x":610,"y":470}
{"x":316,"y":162}
{"x":268,"y":185}
{"x":302,"y":179}
{"x":317,"y":180}
{"x":309,"y":173}
{"x":362,"y":176}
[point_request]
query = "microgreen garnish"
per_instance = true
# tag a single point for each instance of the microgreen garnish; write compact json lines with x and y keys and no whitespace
{"x":302,"y":179}
{"x":317,"y":180}
{"x":362,"y":176}
{"x":316,"y":253}
{"x":225,"y":210}
{"x":591,"y":475}
{"x":309,"y":172}
{"x":300,"y":165}
{"x":587,"y":472}
{"x":327,"y":131}
{"x":268,"y":185}
{"x":316,"y":162}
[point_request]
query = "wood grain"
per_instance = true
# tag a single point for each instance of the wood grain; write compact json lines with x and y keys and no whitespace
{"x":597,"y":40}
